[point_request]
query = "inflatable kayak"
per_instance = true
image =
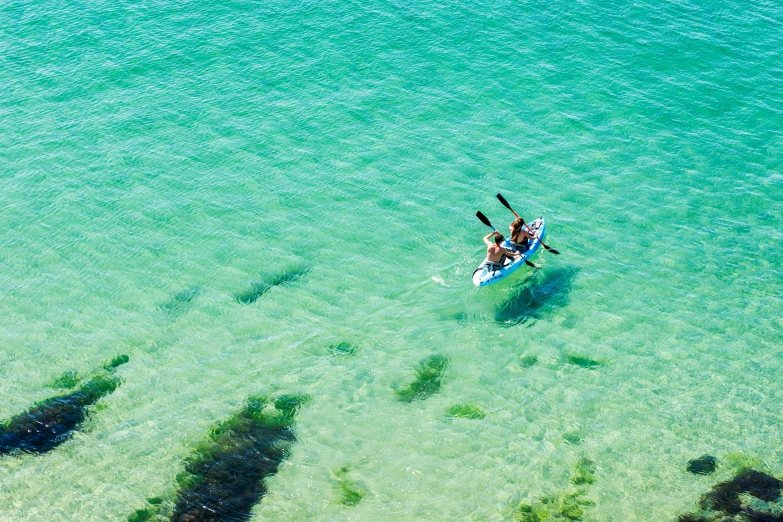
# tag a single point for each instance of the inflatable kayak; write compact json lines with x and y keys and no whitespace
{"x":488,"y":273}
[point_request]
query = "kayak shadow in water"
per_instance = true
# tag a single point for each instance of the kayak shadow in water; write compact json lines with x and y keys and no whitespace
{"x":541,"y":294}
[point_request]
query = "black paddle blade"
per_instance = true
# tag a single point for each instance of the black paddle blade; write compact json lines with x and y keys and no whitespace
{"x":484,"y":219}
{"x":503,"y":200}
{"x":548,"y":249}
{"x":528,"y":263}
{"x":505,"y":204}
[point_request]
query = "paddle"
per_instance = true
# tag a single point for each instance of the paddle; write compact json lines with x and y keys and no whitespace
{"x":484,"y":220}
{"x":505,"y":204}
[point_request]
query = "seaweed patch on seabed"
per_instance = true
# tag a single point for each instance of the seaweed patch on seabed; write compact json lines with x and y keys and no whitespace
{"x":465,"y":411}
{"x":704,"y":465}
{"x":181,"y":300}
{"x":68,"y":380}
{"x":343,"y":349}
{"x":261,"y":287}
{"x":583,"y":362}
{"x":50,"y":422}
{"x":351,"y":491}
{"x":429,"y":375}
{"x":750,"y":496}
{"x":528,"y":361}
{"x":224,"y":478}
{"x":564,"y":505}
{"x":543,"y":293}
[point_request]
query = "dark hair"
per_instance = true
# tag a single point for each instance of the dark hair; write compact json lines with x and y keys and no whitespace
{"x":499,"y":239}
{"x":515,"y":227}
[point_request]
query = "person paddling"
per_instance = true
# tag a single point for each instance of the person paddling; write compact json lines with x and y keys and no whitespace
{"x":495,"y":252}
{"x":520,"y":234}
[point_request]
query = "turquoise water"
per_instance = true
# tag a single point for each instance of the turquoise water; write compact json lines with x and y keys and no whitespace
{"x":150,"y":149}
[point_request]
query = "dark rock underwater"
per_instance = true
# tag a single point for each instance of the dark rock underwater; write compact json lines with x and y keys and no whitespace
{"x":224,"y":478}
{"x":50,"y":422}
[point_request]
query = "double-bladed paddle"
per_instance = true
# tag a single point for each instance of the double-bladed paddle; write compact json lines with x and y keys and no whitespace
{"x":505,"y":204}
{"x":484,"y":220}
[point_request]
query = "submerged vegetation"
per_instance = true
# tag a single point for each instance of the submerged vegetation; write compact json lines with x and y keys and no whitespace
{"x":67,"y":380}
{"x":117,"y":361}
{"x":428,"y":379}
{"x":733,"y":500}
{"x":583,"y":362}
{"x":564,"y":505}
{"x":180,"y":300}
{"x":528,"y":361}
{"x":584,"y":472}
{"x":224,"y":478}
{"x":50,"y":422}
{"x":704,"y":465}
{"x":536,"y":299}
{"x":561,"y":506}
{"x":466,"y":411}
{"x":149,"y":514}
{"x":343,"y":349}
{"x":259,"y":288}
{"x":351,"y":492}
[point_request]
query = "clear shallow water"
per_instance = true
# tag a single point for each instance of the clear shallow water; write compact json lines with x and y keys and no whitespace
{"x":147,"y":149}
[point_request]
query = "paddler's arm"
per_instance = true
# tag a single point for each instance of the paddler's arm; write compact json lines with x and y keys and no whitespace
{"x":510,"y":253}
{"x":486,"y":239}
{"x":529,"y":233}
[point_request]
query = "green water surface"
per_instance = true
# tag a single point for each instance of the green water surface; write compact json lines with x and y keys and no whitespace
{"x":161,"y":161}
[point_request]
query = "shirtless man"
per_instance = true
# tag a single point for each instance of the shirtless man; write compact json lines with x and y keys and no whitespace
{"x":495,"y":252}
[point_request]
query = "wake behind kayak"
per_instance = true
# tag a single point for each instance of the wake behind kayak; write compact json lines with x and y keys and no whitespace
{"x":488,"y":273}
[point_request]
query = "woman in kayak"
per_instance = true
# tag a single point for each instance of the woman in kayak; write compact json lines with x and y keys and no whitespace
{"x":520,"y":235}
{"x":495,"y":252}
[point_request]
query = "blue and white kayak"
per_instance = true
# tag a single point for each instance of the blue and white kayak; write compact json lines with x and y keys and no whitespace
{"x":488,"y":273}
